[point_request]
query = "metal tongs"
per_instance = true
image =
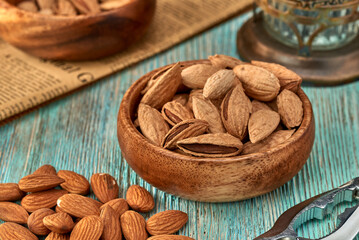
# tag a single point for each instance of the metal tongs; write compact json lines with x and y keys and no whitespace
{"x":317,"y":208}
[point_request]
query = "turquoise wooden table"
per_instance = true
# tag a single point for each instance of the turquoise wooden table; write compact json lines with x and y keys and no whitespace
{"x":79,"y":133}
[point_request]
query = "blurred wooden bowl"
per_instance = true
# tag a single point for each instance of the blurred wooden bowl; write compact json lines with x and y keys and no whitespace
{"x":211,"y":179}
{"x":82,"y":37}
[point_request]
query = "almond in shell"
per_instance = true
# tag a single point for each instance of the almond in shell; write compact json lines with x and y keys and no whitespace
{"x":164,"y":88}
{"x":86,"y":6}
{"x":10,"y":192}
{"x":139,"y":199}
{"x":155,"y":77}
{"x":261,"y":124}
{"x":181,"y":98}
{"x":65,"y":8}
{"x":104,"y":186}
{"x":224,"y":61}
{"x":88,"y":228}
{"x":74,"y":182}
{"x":195,"y":76}
{"x":193,"y":93}
{"x":219,"y":84}
{"x":46,"y":4}
{"x":211,"y":145}
{"x":204,"y":109}
{"x":257,"y":82}
{"x":290,"y":108}
{"x":14,"y":231}
{"x":235,"y":112}
{"x":152,"y":124}
{"x":182,"y":130}
{"x":166,"y":222}
{"x":174,"y":112}
{"x":287,"y":78}
{"x":133,"y":226}
{"x":35,"y":223}
{"x":28,"y":5}
{"x":12,"y":212}
{"x":258,"y":105}
{"x":45,"y":199}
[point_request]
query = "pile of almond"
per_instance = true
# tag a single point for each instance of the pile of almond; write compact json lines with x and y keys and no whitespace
{"x":223,"y":108}
{"x":70,"y":7}
{"x":55,"y":205}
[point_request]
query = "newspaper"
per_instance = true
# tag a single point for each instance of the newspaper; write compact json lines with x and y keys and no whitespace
{"x":27,"y":82}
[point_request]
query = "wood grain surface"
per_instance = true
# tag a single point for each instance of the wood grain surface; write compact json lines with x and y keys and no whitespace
{"x":79,"y":133}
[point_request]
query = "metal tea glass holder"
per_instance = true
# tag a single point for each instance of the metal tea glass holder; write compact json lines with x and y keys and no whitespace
{"x":317,"y":39}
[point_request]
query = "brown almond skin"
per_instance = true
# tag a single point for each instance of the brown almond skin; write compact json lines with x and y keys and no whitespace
{"x":58,"y":209}
{"x":12,"y":212}
{"x":139,"y":199}
{"x":59,"y":223}
{"x":78,"y":205}
{"x":120,"y":205}
{"x":35,"y":223}
{"x":133,"y":226}
{"x":46,"y":169}
{"x":104,"y":186}
{"x":166,"y":222}
{"x":56,"y":236}
{"x":39,"y":182}
{"x":14,"y":231}
{"x":88,"y":228}
{"x":10,"y":192}
{"x":111,"y":222}
{"x":74,"y":182}
{"x":170,"y":237}
{"x":38,"y":200}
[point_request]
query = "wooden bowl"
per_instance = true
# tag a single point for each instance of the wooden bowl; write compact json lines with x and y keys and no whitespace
{"x":82,"y":37}
{"x":210,"y":179}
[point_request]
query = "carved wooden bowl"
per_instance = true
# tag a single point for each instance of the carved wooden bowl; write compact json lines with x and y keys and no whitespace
{"x":82,"y":37}
{"x":211,"y":179}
